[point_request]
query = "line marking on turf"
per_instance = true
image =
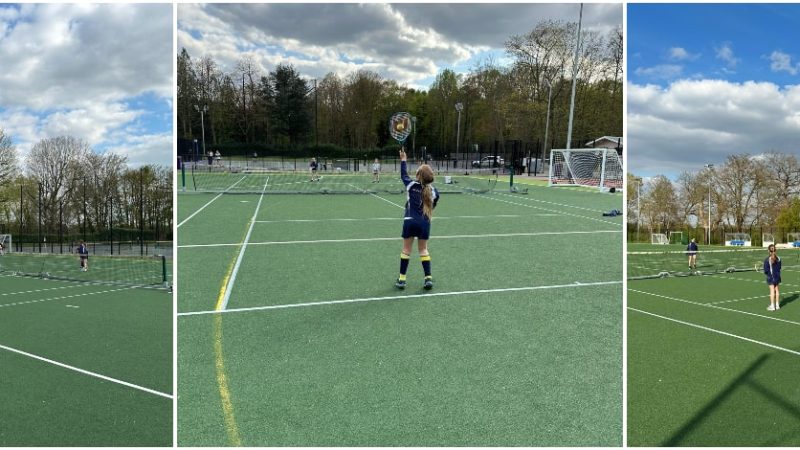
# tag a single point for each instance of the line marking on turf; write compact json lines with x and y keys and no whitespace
{"x":243,"y":246}
{"x":713,"y":306}
{"x":387,"y":201}
{"x":694,"y":325}
{"x":34,"y":291}
{"x":86,"y":372}
{"x":231,"y":428}
{"x":460,"y":236}
{"x":551,"y":203}
{"x":403,"y":297}
{"x":85,"y":294}
{"x":547,"y":209}
{"x":501,"y":216}
{"x":210,"y":202}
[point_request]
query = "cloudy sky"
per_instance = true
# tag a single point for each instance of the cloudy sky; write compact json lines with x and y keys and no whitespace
{"x":409,"y":43}
{"x":706,"y":81}
{"x":102,"y":73}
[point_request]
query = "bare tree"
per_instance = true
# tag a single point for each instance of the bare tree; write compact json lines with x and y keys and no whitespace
{"x":8,"y":158}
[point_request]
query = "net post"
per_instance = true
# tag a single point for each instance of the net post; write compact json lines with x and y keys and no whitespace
{"x":550,"y":171}
{"x":183,"y":176}
{"x":164,"y":270}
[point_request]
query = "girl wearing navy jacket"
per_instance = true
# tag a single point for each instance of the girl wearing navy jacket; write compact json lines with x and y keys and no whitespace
{"x":421,"y":198}
{"x":772,"y":269}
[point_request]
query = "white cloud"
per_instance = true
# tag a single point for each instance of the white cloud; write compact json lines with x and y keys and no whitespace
{"x":693,"y":122}
{"x":782,"y":62}
{"x":660,"y":72}
{"x":145,"y":149}
{"x":680,"y":54}
{"x":725,"y":53}
{"x":71,"y":69}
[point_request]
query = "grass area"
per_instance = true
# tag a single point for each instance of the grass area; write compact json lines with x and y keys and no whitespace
{"x":317,"y":347}
{"x":708,"y":365}
{"x":84,"y":364}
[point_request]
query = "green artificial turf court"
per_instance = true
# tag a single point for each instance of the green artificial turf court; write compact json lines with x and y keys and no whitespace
{"x":708,"y":365}
{"x":518,"y":344}
{"x":84,"y":364}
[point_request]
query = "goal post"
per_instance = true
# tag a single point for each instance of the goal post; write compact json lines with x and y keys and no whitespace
{"x":767,"y":239}
{"x":676,"y":237}
{"x":659,"y":239}
{"x":595,"y":167}
{"x":738,"y":240}
{"x":5,"y":240}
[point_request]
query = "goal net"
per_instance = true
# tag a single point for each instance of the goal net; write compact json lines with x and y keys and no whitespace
{"x":767,"y":239}
{"x":600,"y":168}
{"x":738,"y":239}
{"x":659,"y":238}
{"x":793,"y":239}
{"x":676,"y":237}
{"x":5,"y":243}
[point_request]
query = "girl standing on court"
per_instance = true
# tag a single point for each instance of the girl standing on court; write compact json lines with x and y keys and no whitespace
{"x":421,"y":198}
{"x":772,"y":269}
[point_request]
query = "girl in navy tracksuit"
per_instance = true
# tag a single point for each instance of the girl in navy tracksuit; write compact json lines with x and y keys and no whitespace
{"x":421,"y":198}
{"x":772,"y":269}
{"x":691,"y":251}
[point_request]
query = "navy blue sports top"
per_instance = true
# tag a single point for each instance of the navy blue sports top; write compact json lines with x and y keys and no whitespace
{"x":414,"y":195}
{"x":773,"y":271}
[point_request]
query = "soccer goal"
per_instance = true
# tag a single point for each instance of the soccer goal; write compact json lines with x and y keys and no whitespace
{"x":5,"y":244}
{"x":738,"y":240}
{"x":659,"y":239}
{"x":767,"y":239}
{"x":793,"y":239}
{"x":676,"y":237}
{"x":599,"y":167}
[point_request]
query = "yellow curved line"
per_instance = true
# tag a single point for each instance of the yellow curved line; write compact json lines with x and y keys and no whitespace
{"x":231,"y":428}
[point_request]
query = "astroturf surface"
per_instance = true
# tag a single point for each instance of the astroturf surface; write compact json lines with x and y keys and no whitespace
{"x":518,"y":344}
{"x":117,"y":332}
{"x":708,"y":365}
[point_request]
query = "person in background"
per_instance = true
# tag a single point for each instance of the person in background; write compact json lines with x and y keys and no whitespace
{"x":772,"y":269}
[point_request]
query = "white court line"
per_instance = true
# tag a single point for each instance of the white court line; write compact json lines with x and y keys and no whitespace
{"x":86,"y":372}
{"x":551,"y":203}
{"x":403,"y":297}
{"x":501,"y":216}
{"x":239,"y":258}
{"x":694,"y":325}
{"x":211,"y":201}
{"x":85,"y":294}
{"x":387,"y":201}
{"x":713,"y":306}
{"x":547,"y":209}
{"x":394,"y":238}
{"x":39,"y":290}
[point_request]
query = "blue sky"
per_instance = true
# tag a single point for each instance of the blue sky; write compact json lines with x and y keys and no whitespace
{"x":408,"y":43}
{"x":101,"y":73}
{"x":709,"y":80}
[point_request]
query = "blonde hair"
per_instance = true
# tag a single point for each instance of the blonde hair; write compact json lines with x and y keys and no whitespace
{"x":425,"y":178}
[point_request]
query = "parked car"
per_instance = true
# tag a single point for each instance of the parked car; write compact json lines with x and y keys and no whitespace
{"x":488,"y":161}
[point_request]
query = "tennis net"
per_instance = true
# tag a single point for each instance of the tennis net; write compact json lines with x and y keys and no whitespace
{"x":123,"y":270}
{"x":643,"y":265}
{"x":211,"y":179}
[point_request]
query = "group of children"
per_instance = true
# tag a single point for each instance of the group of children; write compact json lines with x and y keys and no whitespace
{"x":771,"y":268}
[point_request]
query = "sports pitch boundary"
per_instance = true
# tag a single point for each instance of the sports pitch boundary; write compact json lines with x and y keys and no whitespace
{"x":85,"y":294}
{"x":395,"y":238}
{"x":86,"y":372}
{"x":714,"y":306}
{"x":403,"y":297}
{"x":694,"y":325}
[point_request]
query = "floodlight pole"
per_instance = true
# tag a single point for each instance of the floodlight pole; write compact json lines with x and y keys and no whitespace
{"x":710,"y":167}
{"x":638,"y":207}
{"x":547,"y":122}
{"x":459,"y":108}
{"x":202,"y":111}
{"x":575,"y":66}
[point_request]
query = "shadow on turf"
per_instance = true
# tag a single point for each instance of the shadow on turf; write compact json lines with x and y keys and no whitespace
{"x":746,"y":379}
{"x":789,"y":299}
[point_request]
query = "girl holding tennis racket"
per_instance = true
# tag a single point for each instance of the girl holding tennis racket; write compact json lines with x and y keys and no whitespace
{"x":772,"y":269}
{"x":421,"y":198}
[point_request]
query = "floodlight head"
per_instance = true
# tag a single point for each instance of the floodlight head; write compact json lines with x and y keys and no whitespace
{"x":459,"y":106}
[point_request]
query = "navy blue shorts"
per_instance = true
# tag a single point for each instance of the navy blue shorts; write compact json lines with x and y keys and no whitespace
{"x":420,"y":229}
{"x":772,"y":281}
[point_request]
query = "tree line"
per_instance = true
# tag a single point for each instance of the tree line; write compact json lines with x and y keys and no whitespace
{"x":280,"y":111}
{"x":746,"y":192}
{"x":74,"y":192}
